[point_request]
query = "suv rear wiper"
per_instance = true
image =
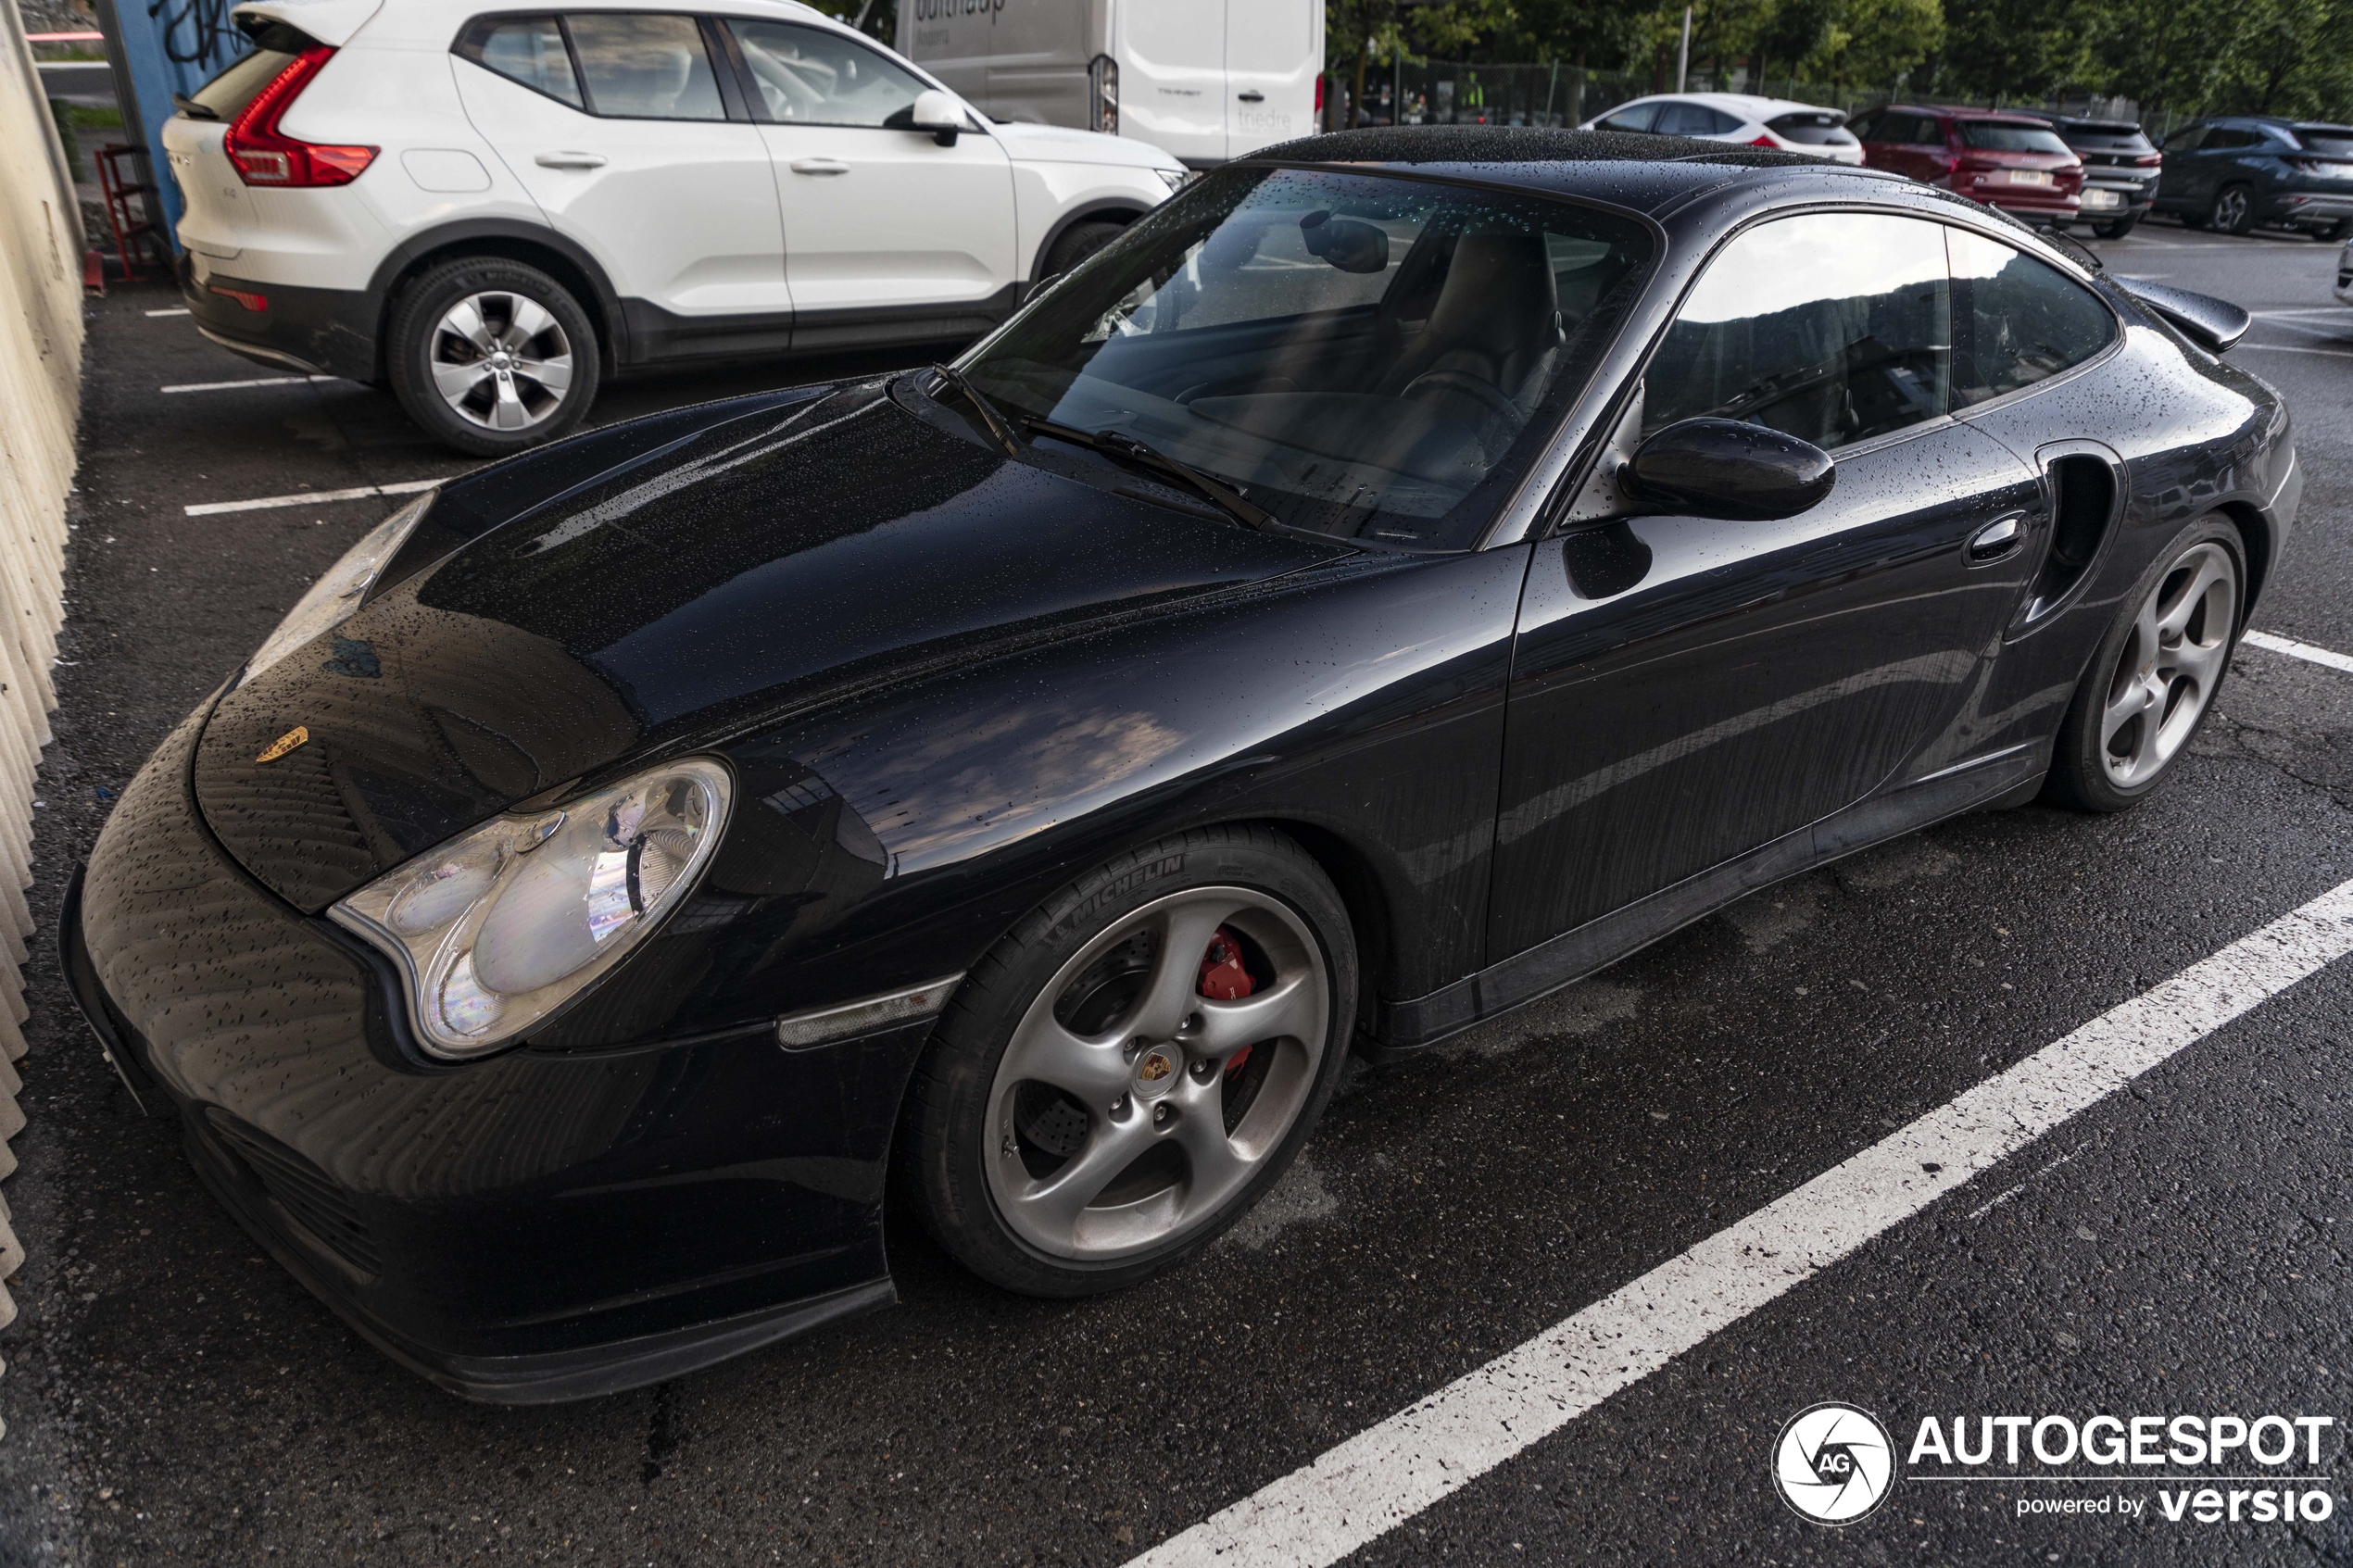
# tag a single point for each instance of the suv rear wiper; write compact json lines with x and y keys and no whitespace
{"x":192,"y":108}
{"x":1002,"y":433}
{"x":1143,"y":455}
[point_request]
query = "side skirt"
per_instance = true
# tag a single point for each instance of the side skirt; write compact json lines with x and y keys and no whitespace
{"x":2008,"y":777}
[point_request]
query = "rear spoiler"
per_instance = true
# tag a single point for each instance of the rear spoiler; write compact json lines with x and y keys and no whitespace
{"x":2209,"y":323}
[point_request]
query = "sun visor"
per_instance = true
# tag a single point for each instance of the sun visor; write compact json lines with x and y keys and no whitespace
{"x":332,"y":22}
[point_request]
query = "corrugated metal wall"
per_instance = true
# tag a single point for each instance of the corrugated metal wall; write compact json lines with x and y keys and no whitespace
{"x":41,"y":246}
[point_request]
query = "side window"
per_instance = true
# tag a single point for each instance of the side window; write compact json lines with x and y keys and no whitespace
{"x":1866,"y":127}
{"x":1690,"y":120}
{"x":1638,"y":117}
{"x":526,"y":49}
{"x":1926,"y":131}
{"x":2228,"y":140}
{"x":806,"y":77}
{"x":645,"y":66}
{"x":2015,"y":319}
{"x":1832,"y":327}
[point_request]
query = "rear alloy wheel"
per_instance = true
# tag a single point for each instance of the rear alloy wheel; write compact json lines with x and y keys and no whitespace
{"x":492,"y":355}
{"x":2234,"y":209}
{"x":2154,"y":678}
{"x":1133,"y":1066}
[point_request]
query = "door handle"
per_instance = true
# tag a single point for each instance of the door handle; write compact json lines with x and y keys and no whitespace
{"x":1998,"y":539}
{"x":570,"y":161}
{"x":1253,"y":96}
{"x":819,"y":165}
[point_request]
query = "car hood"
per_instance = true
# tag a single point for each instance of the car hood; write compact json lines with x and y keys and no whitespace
{"x":788,"y":557}
{"x":1061,"y":144}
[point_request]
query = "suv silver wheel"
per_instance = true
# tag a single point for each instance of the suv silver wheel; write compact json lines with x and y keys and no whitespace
{"x":1132,"y":1105}
{"x":2231,"y":210}
{"x":501,"y":361}
{"x":2170,"y":664}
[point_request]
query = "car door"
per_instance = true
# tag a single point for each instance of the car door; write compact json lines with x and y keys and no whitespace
{"x":1685,"y":689}
{"x":889,"y":234}
{"x":1172,"y":89}
{"x":618,"y":124}
{"x":1272,"y":55}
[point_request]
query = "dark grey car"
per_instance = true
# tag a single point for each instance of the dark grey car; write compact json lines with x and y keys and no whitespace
{"x":2120,"y":167}
{"x":2242,"y":171}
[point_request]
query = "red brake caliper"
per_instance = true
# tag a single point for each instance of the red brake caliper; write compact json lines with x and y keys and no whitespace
{"x":1223,"y":979}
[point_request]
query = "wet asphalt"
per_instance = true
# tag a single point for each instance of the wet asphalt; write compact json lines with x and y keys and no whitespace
{"x":171,"y":1397}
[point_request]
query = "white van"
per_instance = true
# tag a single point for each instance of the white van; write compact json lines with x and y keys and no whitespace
{"x":1206,"y":80}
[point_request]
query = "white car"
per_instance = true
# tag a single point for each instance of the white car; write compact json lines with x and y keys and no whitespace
{"x":490,"y":211}
{"x":1739,"y":116}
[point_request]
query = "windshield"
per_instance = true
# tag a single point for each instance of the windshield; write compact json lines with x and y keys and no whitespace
{"x":1995,"y":137}
{"x":1363,"y":356}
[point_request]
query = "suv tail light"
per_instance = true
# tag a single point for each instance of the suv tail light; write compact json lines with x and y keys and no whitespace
{"x":1764,"y":142}
{"x":2149,"y":160}
{"x":262,"y":154}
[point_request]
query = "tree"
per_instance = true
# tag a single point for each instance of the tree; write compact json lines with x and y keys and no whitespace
{"x":1875,"y":42}
{"x":2017,"y":50}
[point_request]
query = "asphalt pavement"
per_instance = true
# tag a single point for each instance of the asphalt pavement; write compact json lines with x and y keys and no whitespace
{"x":2176,"y":1246}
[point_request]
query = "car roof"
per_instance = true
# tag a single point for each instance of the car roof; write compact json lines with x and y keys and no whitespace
{"x":1625,"y":168}
{"x":1748,"y":104}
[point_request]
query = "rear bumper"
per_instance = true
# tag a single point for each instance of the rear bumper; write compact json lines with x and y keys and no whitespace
{"x":323,"y":332}
{"x":521,"y":1230}
{"x":2320,"y":208}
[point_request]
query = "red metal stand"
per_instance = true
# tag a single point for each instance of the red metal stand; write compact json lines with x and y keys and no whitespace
{"x":134,"y":235}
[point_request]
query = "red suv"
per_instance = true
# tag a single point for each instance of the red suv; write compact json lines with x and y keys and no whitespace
{"x":2005,"y":161}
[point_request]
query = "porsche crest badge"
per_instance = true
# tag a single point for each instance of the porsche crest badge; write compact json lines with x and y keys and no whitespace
{"x":285,"y":744}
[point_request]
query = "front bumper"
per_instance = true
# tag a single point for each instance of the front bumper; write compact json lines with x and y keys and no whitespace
{"x":524,"y":1229}
{"x":323,"y":332}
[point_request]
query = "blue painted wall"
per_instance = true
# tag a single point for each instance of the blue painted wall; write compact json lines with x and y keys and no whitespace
{"x":169,"y":47}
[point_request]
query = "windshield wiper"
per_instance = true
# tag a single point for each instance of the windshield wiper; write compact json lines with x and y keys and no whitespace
{"x":1144,"y":455}
{"x":999,"y":431}
{"x":192,"y":108}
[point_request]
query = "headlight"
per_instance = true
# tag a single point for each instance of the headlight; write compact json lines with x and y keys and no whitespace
{"x":503,"y":925}
{"x":335,"y":598}
{"x":1177,"y":179}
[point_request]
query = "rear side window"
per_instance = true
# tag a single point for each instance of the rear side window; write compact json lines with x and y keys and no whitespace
{"x":242,"y":82}
{"x":1638,"y":117}
{"x":1832,"y":327}
{"x":1693,"y":119}
{"x":2328,"y":143}
{"x":1995,"y":137}
{"x":526,"y":49}
{"x":806,"y":77}
{"x":2223,"y":140}
{"x":2015,"y":319}
{"x":645,"y":66}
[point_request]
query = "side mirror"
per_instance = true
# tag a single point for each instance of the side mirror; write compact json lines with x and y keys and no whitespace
{"x":1725,"y":468}
{"x":939,"y":113}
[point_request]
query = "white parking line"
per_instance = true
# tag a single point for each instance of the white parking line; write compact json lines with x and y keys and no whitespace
{"x":176,"y":311}
{"x":1376,"y":1480}
{"x":2311,"y":310}
{"x":259,"y":381}
{"x":264,"y":502}
{"x":2294,"y":649}
{"x":2297,"y":348}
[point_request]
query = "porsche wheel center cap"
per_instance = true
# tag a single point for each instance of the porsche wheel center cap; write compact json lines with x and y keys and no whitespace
{"x":1155,"y":1072}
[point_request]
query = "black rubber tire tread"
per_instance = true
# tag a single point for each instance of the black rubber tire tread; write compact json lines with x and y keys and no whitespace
{"x":1079,"y":242}
{"x":939,"y":1155}
{"x":422,"y":304}
{"x":2078,"y":780}
{"x":2116,"y":230}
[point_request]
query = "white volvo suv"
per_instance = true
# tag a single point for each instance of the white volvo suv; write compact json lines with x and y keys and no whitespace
{"x":489,"y":212}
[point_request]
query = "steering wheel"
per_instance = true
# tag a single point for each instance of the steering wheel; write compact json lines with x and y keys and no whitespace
{"x":1470,"y":386}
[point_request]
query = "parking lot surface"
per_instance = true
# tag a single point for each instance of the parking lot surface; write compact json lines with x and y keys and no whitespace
{"x":2179,"y":1246}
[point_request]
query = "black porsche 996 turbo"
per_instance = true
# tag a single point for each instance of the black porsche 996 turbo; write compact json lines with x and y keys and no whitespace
{"x":1403,"y":575}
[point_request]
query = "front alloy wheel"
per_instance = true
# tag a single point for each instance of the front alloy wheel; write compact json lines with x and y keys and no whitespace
{"x":1134,"y":1065}
{"x":1164,"y":1060}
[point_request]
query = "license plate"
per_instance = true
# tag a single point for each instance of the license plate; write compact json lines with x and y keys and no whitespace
{"x":2028,"y":177}
{"x":2094,"y":200}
